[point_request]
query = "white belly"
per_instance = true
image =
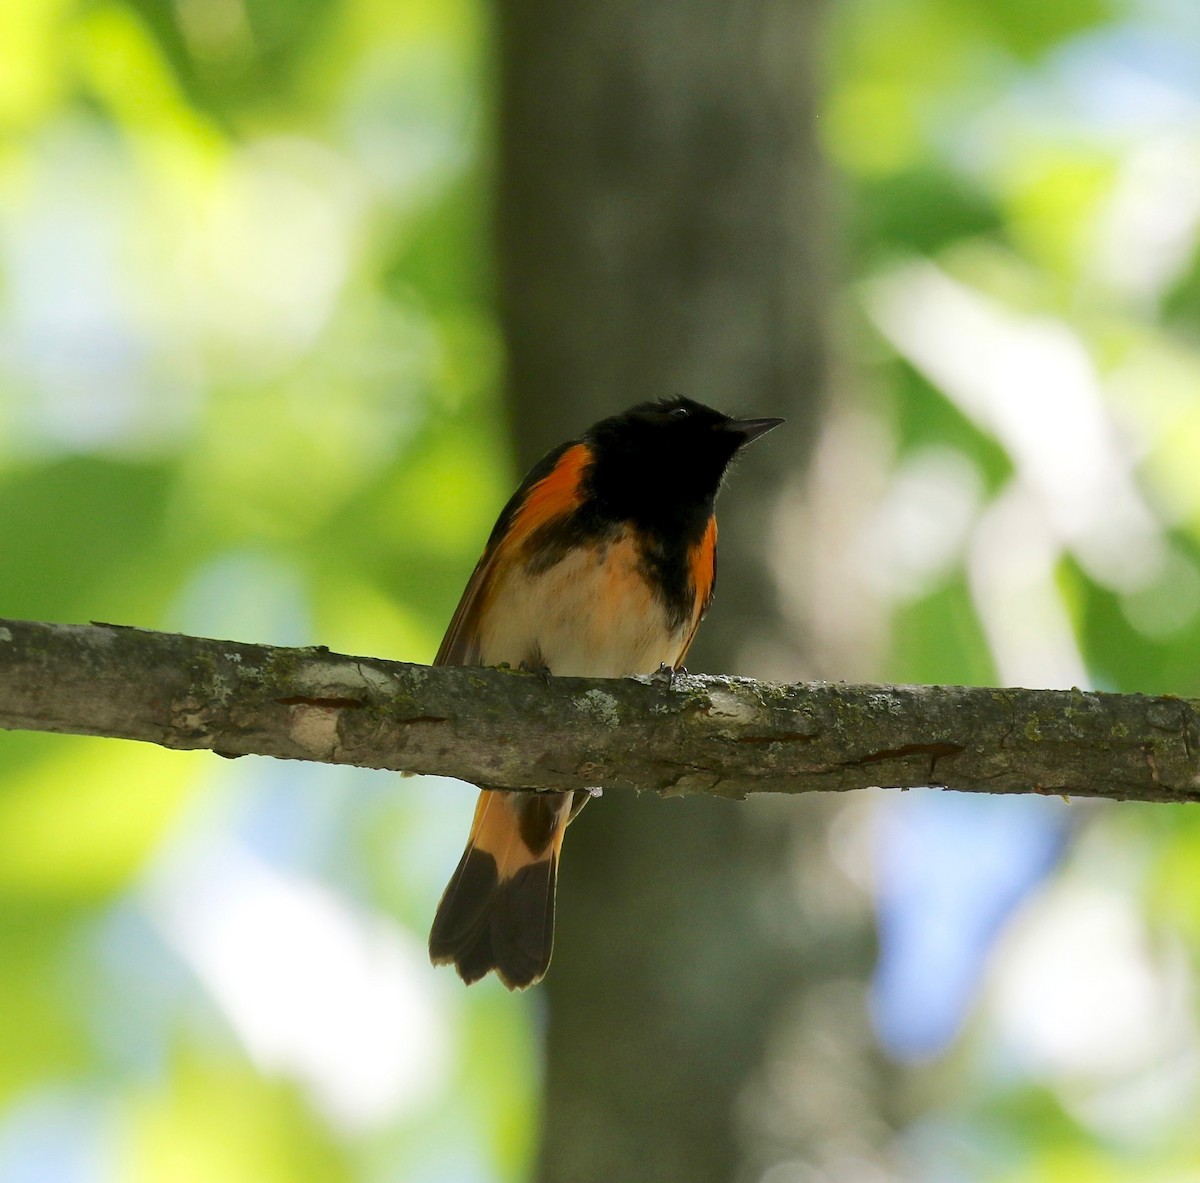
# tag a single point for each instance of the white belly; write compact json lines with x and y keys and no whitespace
{"x":591,"y":615}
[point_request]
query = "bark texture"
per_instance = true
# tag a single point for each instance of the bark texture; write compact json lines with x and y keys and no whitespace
{"x":727,"y":737}
{"x":661,"y":232}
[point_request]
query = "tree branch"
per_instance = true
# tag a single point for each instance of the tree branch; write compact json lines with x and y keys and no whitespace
{"x":503,"y":728}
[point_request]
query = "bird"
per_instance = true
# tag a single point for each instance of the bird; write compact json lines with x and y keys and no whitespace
{"x":602,"y":564}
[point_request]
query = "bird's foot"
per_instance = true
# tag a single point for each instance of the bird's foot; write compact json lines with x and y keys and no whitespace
{"x":667,"y":673}
{"x":542,"y":671}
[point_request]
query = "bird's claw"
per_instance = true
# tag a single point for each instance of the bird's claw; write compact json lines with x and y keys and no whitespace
{"x":542,"y":671}
{"x":667,"y":673}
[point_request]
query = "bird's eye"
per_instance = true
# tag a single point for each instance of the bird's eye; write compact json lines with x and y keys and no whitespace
{"x":679,"y":412}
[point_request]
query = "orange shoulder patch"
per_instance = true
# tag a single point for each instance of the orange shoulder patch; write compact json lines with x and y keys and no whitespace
{"x":702,"y":563}
{"x":554,"y":495}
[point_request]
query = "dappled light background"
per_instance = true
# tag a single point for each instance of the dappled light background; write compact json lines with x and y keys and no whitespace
{"x":250,"y":386}
{"x":1007,"y":493}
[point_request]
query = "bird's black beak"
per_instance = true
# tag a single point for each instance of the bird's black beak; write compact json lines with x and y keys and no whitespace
{"x":750,"y":429}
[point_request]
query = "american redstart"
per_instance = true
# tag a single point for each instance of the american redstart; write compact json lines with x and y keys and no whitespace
{"x":601,"y":565}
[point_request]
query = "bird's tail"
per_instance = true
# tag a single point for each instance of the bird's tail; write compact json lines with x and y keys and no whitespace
{"x":497,"y":911}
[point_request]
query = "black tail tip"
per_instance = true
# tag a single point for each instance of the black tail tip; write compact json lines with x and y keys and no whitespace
{"x":484,"y":925}
{"x":476,"y":963}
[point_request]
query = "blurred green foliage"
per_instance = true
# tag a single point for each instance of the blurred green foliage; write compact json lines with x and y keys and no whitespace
{"x":247,"y":386}
{"x":1026,"y":153}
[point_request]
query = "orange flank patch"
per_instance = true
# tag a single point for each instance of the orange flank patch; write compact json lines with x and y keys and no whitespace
{"x":701,"y":562}
{"x":553,"y":496}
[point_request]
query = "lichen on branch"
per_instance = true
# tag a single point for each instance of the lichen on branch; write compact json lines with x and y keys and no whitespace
{"x":504,"y":728}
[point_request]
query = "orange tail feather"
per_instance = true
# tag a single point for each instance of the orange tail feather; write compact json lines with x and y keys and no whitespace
{"x":497,"y":912}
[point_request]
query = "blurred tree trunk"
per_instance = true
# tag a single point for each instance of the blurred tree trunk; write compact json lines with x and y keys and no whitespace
{"x":661,"y":230}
